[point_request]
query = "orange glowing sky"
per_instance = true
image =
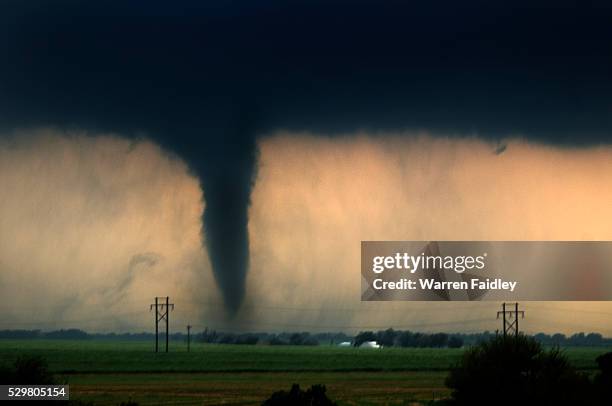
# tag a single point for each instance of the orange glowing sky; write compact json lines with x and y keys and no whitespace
{"x":100,"y":220}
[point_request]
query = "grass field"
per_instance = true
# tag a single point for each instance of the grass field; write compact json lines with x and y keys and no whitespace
{"x":108,"y":372}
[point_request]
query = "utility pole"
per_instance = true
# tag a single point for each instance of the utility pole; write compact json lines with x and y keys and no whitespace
{"x":156,"y":325}
{"x":162,"y":312}
{"x":511,"y":326}
{"x":516,"y":313}
{"x":188,"y":338}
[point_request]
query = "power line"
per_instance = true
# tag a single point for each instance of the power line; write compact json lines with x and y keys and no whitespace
{"x":534,"y":307}
{"x":577,"y":326}
{"x":162,"y":312}
{"x":326,"y":309}
{"x":331,"y":308}
{"x":362,"y":326}
{"x":511,"y":326}
{"x":412,"y":306}
{"x":567,"y":309}
{"x":319,"y":326}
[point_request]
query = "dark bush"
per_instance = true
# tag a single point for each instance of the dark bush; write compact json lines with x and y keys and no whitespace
{"x":315,"y":396}
{"x":27,"y":370}
{"x":516,"y":370}
{"x":604,"y":362}
{"x":603,"y":380}
{"x":6,"y":374}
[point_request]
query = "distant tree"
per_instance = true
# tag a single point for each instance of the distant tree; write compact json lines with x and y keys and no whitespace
{"x":515,"y":370}
{"x":386,"y":337}
{"x":70,"y":334}
{"x":276,"y":340}
{"x":438,"y":340}
{"x":332,"y":338}
{"x":208,"y":336}
{"x":310,"y":340}
{"x":297,"y":338}
{"x":226,"y":338}
{"x":364,"y":336}
{"x":315,"y":396}
{"x":406,"y":339}
{"x":20,"y":334}
{"x":577,"y":339}
{"x":455,"y":342}
{"x":248,"y":339}
{"x":593,"y":339}
{"x":542,"y":338}
{"x":558,"y":339}
{"x":302,"y":339}
{"x":422,"y":340}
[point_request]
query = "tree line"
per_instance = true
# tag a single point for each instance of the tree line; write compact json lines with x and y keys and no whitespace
{"x":286,"y":338}
{"x":399,"y":338}
{"x":386,"y":338}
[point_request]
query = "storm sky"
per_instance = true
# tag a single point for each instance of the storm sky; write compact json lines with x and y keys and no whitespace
{"x":98,"y":224}
{"x":218,"y":143}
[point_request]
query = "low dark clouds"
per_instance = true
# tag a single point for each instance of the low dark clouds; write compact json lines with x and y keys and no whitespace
{"x":204,"y":80}
{"x":544,"y":71}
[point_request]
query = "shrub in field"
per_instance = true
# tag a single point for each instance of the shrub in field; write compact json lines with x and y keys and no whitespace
{"x":603,"y":380}
{"x":604,"y":362}
{"x":315,"y":396}
{"x":6,"y":374}
{"x":27,"y":370}
{"x":516,"y":370}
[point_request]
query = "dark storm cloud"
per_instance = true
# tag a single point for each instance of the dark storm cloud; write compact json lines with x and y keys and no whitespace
{"x":204,"y":80}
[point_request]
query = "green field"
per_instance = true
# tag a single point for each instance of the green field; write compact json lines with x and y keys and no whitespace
{"x":108,"y":372}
